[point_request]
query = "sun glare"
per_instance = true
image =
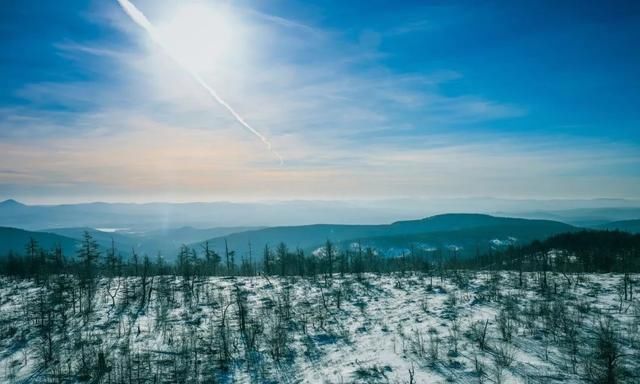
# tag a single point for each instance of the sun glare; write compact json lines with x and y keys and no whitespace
{"x":201,"y":36}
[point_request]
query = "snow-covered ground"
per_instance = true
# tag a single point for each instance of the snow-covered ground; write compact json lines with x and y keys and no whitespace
{"x":390,"y":328}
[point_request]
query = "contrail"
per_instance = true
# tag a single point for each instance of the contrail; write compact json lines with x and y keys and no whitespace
{"x":139,"y":18}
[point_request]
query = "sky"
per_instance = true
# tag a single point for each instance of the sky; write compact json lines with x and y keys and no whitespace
{"x":362,"y":99}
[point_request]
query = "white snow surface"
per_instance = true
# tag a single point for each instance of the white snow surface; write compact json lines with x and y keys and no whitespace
{"x":349,"y":329}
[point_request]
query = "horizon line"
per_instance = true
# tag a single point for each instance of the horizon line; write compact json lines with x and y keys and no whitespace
{"x":29,"y":202}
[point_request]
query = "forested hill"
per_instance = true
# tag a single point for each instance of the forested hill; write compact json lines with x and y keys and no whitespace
{"x":632,"y":226}
{"x":466,"y":234}
{"x":167,"y":242}
{"x":460,"y":231}
{"x":15,"y":240}
{"x":585,"y":250}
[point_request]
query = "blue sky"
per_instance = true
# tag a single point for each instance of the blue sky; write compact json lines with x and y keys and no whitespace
{"x":368,"y":99}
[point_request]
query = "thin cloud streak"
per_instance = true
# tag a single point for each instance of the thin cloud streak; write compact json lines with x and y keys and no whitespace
{"x":139,"y":18}
{"x":350,"y":126}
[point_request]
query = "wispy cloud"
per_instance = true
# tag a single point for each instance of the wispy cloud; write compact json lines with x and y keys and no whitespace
{"x":409,"y":27}
{"x":349,"y":125}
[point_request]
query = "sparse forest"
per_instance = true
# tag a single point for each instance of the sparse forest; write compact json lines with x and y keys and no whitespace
{"x":583,"y":251}
{"x":565,"y":309}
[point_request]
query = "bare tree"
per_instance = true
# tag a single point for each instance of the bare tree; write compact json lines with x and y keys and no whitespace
{"x":604,"y":365}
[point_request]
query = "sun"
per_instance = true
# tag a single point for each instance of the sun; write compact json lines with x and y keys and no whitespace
{"x":201,"y":36}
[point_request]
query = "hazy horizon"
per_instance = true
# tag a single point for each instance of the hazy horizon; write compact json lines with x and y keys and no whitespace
{"x":608,"y":202}
{"x":154,"y":215}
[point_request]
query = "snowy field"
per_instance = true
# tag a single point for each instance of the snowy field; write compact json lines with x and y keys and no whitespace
{"x":464,"y":327}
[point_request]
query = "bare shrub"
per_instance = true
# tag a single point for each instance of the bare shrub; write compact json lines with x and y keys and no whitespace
{"x":604,"y":364}
{"x":478,"y":333}
{"x":506,"y":325}
{"x":434,"y":345}
{"x":503,"y":358}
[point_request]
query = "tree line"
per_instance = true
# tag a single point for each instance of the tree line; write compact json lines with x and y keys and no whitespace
{"x":91,"y":260}
{"x":210,"y":327}
{"x":584,"y":251}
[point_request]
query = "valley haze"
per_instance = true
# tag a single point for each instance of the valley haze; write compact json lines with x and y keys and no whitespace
{"x":158,"y":215}
{"x":389,"y":226}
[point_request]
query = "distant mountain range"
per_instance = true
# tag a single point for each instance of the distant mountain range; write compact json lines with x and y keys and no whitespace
{"x":162,"y":216}
{"x":585,"y":217}
{"x":158,"y":216}
{"x":166,"y":242}
{"x":466,"y":233}
{"x":632,"y":226}
{"x":152,"y":228}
